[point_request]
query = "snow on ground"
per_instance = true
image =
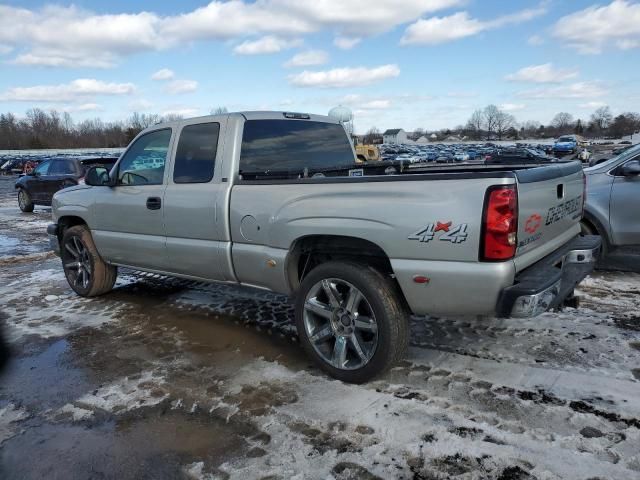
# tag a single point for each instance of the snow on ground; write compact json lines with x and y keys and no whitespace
{"x":41,"y":303}
{"x":143,"y":390}
{"x":10,"y":416}
{"x":553,"y":397}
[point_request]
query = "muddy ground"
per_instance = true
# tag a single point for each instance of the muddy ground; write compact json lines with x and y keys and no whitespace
{"x":166,"y":378}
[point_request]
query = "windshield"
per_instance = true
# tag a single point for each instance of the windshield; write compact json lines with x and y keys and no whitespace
{"x":627,"y":154}
{"x":566,"y":139}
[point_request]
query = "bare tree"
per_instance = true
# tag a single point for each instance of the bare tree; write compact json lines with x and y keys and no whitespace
{"x":475,"y":124}
{"x":530,"y":129}
{"x":171,"y":117}
{"x":219,"y":111}
{"x":491,"y":114}
{"x":562,"y":122}
{"x":504,"y":122}
{"x":372,"y":136}
{"x":601,"y":118}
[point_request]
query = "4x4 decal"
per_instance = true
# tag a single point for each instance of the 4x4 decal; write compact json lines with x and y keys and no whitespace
{"x":450,"y":233}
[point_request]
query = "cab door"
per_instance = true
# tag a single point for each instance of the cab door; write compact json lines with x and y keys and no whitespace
{"x":35,"y":182}
{"x":128,"y":226}
{"x":62,"y":174}
{"x":624,"y":207}
{"x":194,"y":210}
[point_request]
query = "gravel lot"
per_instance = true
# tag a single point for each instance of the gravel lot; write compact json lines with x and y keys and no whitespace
{"x":165,"y":378}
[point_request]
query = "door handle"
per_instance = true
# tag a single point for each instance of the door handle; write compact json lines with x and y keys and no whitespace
{"x":154,"y":203}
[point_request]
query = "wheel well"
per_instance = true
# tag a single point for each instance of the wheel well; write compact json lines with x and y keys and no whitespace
{"x":597,"y":228}
{"x":308,"y":252}
{"x":68,"y":222}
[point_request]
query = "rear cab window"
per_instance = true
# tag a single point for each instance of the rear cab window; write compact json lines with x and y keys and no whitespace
{"x":196,"y":153}
{"x":291,"y":149}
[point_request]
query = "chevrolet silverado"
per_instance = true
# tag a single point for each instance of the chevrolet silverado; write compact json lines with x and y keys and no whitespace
{"x":276,"y":200}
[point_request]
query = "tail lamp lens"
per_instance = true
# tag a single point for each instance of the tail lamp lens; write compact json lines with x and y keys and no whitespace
{"x":500,"y":223}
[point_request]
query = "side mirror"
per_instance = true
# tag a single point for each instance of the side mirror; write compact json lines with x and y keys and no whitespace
{"x":631,"y":169}
{"x":97,"y":177}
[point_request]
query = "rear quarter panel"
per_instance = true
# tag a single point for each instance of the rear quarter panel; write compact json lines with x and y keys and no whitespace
{"x":425,"y":227}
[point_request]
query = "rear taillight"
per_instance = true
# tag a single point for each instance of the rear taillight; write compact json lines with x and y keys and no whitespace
{"x":499,"y":223}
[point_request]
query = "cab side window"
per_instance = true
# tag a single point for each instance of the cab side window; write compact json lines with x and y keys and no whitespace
{"x":196,"y":153}
{"x":43,"y":168}
{"x":62,"y":167}
{"x":144,"y":162}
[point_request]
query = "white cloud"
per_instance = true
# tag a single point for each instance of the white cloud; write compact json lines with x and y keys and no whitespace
{"x":181,"y":112}
{"x":437,"y":30}
{"x":308,"y":58}
{"x":512,"y":107}
{"x":181,"y":86}
{"x":594,"y":28}
{"x":346,"y":43}
{"x":85,"y":107}
{"x":82,"y":87}
{"x":544,"y":73}
{"x":592,"y":105}
{"x":4,"y":49}
{"x":140,"y":104}
{"x":51,"y":58}
{"x":74,"y":37}
{"x":535,"y":40}
{"x":265,"y":45}
{"x":344,"y":77}
{"x":163,"y":74}
{"x":572,"y":90}
{"x":376,"y":105}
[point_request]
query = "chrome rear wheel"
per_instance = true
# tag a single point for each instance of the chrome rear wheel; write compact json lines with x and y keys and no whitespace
{"x":340,"y":324}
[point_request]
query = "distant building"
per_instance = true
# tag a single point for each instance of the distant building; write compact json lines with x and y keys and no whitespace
{"x":395,"y":135}
{"x":423,"y":139}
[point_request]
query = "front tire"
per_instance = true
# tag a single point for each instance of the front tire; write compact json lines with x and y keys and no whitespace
{"x":351,"y":321}
{"x":87,"y":273}
{"x":24,"y":201}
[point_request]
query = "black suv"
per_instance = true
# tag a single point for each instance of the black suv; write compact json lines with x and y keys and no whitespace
{"x":38,"y":187}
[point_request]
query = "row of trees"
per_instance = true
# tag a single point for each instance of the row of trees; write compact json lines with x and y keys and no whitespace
{"x":493,"y":123}
{"x":52,"y":129}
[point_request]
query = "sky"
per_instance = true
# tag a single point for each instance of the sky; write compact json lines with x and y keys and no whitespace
{"x":396,"y":63}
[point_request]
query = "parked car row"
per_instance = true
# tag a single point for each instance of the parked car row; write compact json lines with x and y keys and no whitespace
{"x":473,"y":153}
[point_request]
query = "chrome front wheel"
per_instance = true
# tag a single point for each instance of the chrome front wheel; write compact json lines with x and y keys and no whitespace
{"x":77,"y":263}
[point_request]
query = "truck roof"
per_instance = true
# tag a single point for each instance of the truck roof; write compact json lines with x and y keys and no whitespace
{"x":255,"y":115}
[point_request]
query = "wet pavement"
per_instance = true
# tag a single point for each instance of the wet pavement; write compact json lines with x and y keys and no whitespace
{"x":166,"y":378}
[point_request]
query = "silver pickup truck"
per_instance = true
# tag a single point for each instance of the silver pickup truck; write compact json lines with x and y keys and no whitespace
{"x":275,"y":200}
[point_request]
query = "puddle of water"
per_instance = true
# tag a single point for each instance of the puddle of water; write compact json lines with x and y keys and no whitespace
{"x":158,"y":445}
{"x":44,"y":380}
{"x":7,"y":244}
{"x":205,"y":333}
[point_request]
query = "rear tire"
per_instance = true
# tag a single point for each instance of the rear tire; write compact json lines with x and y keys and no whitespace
{"x":87,"y":273}
{"x":365,"y":317}
{"x":24,"y":201}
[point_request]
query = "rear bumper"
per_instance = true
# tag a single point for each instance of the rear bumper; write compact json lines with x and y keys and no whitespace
{"x":547,"y":283}
{"x":52,"y":233}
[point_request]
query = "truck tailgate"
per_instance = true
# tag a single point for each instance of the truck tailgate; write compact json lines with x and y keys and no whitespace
{"x":550,"y":208}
